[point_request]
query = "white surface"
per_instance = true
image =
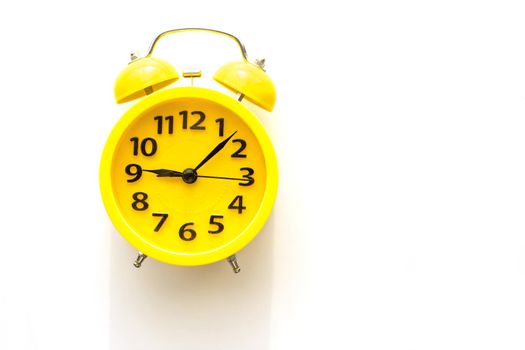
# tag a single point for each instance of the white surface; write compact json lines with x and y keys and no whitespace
{"x":399,"y":222}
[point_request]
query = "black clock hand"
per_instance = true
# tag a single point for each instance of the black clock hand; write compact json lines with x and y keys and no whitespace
{"x":173,"y":173}
{"x":214,"y":152}
{"x":222,"y":177}
{"x":164,"y":172}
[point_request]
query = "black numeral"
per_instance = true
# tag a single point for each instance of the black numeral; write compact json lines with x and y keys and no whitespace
{"x":163,"y":218}
{"x":213,"y":221}
{"x":134,"y":170}
{"x":184,"y":115}
{"x":148,"y":146}
{"x":248,"y":177}
{"x":195,"y":126}
{"x":238,"y":153}
{"x":159,"y":120}
{"x":220,"y":121}
{"x":139,"y":202}
{"x":187,"y":234}
{"x":238,"y":206}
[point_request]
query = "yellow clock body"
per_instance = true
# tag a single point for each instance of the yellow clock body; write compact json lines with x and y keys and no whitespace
{"x":161,"y":203}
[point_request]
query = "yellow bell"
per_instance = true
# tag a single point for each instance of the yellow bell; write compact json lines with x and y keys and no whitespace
{"x":143,"y":76}
{"x":250,"y":80}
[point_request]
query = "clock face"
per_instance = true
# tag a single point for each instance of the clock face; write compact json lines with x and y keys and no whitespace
{"x":188,"y":176}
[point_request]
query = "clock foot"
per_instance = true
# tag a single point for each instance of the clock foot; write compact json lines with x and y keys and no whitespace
{"x":234,"y":264}
{"x":139,"y":260}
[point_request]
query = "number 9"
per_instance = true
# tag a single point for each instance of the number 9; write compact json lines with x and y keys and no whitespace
{"x":134,"y":170}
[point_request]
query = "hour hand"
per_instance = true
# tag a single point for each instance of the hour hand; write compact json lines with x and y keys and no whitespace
{"x":164,"y":172}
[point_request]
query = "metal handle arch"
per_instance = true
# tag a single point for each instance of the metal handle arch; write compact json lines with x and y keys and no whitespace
{"x":180,"y":30}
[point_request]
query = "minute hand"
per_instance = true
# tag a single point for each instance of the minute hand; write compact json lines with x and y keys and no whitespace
{"x":214,"y":152}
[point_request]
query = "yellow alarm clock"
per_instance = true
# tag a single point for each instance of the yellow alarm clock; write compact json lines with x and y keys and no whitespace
{"x":188,"y":174}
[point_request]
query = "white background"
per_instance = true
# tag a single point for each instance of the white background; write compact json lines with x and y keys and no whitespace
{"x":399,"y":222}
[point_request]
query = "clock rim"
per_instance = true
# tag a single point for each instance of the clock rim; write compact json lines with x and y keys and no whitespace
{"x":134,"y":237}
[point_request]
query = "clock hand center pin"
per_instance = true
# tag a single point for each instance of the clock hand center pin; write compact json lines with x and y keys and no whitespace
{"x":189,"y":176}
